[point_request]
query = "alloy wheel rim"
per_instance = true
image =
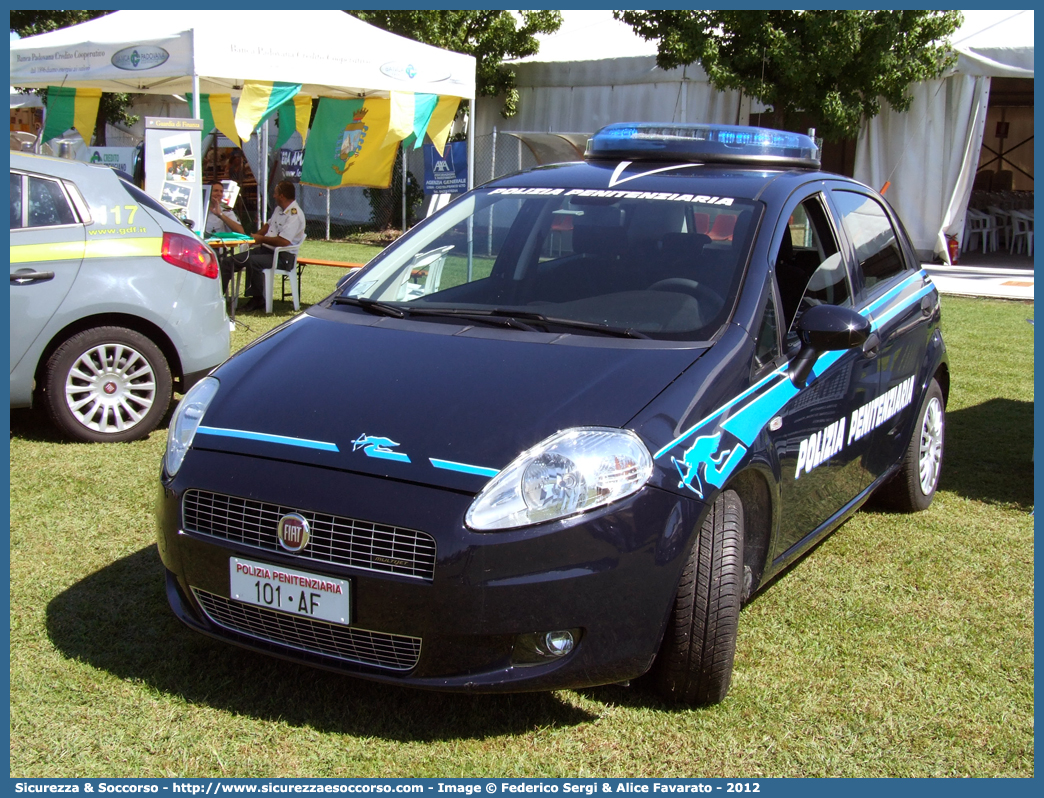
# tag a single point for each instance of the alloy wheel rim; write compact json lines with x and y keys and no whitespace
{"x":930,"y":456}
{"x":110,"y":388}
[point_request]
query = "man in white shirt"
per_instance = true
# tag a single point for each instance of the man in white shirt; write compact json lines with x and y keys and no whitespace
{"x":284,"y":229}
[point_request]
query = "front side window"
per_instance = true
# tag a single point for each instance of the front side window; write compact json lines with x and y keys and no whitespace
{"x":809,"y":267}
{"x":48,"y":205}
{"x":878,"y":254}
{"x":637,"y":263}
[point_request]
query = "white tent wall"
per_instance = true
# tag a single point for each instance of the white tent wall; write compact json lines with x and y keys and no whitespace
{"x":582,"y":96}
{"x":929,"y":154}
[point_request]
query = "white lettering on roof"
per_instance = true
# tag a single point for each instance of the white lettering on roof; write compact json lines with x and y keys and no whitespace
{"x":702,"y":199}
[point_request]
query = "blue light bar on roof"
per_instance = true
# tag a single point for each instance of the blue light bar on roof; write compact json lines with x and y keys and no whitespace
{"x":638,"y":141}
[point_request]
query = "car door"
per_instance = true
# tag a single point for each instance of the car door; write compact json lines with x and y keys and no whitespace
{"x":47,"y":247}
{"x":892,"y":294}
{"x":821,"y":469}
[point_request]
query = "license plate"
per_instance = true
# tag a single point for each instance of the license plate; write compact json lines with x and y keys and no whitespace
{"x":287,"y":590}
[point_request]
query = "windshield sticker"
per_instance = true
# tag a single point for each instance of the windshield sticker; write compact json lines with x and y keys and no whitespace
{"x":702,"y":199}
{"x":380,"y":448}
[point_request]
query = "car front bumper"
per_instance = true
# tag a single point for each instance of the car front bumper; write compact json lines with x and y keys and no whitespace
{"x":455,"y":623}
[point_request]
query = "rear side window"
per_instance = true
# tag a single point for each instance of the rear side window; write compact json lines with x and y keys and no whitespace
{"x":48,"y":205}
{"x":878,"y":253}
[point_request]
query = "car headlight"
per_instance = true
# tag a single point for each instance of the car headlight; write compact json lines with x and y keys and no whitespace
{"x":186,"y":421}
{"x":570,"y":472}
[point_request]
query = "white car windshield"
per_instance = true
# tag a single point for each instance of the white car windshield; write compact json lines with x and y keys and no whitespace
{"x":640,"y":265}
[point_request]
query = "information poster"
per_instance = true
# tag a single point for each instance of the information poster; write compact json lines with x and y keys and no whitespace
{"x":173,"y":166}
{"x":446,"y":173}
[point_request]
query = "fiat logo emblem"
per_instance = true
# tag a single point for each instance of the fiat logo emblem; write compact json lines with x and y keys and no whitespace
{"x":293,"y":532}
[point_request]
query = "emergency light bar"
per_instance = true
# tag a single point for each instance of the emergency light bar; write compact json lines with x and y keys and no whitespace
{"x":652,"y":141}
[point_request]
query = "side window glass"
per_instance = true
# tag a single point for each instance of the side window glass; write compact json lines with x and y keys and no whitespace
{"x":767,"y":347}
{"x":809,"y":267}
{"x":16,"y":201}
{"x":48,"y":205}
{"x":877,"y":247}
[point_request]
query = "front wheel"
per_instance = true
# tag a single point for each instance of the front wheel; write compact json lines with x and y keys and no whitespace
{"x":107,"y":384}
{"x":913,"y":487}
{"x":694,"y":664}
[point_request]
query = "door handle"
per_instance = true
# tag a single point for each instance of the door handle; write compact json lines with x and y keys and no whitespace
{"x":27,"y":276}
{"x":927,"y":306}
{"x":872,"y":345}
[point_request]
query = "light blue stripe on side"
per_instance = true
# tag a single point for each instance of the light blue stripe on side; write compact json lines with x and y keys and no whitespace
{"x":382,"y":454}
{"x":464,"y":468}
{"x":221,"y":432}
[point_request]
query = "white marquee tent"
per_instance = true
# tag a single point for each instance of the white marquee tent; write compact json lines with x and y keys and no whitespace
{"x":930,"y":153}
{"x":332,"y":54}
{"x":164,"y":52}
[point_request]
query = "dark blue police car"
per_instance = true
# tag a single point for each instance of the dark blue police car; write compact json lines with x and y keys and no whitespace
{"x":558,"y":433}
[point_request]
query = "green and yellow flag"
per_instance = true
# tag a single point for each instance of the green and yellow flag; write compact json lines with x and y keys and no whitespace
{"x":349,"y":144}
{"x":68,"y":107}
{"x":293,"y":116}
{"x":216,"y":111}
{"x":259,"y":100}
{"x":414,"y":115}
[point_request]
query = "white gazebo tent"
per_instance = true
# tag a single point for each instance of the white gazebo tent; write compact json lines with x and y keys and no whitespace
{"x":331,"y":53}
{"x":930,"y":153}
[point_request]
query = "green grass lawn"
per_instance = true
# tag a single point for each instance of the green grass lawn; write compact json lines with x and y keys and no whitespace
{"x":901,"y":646}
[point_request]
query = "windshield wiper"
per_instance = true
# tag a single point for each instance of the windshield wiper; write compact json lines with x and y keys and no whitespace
{"x":481,"y":316}
{"x":372,"y":305}
{"x":593,"y":326}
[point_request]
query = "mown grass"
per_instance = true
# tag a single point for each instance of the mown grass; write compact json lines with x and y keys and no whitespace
{"x":901,"y":646}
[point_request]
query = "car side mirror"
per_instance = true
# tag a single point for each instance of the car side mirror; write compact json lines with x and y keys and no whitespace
{"x":826,"y":328}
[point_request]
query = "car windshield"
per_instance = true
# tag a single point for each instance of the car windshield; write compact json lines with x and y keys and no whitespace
{"x":634,"y":264}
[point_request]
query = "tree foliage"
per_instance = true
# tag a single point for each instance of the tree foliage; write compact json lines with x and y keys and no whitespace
{"x":490,"y":36}
{"x":834,"y":66}
{"x":113,"y":106}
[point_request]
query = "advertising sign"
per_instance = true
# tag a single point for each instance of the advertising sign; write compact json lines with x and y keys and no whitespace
{"x":173,"y":166}
{"x":121,"y":158}
{"x":291,"y":161}
{"x":446,"y":173}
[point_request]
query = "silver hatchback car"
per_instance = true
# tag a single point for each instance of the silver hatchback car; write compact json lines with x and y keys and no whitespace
{"x":114,"y":302}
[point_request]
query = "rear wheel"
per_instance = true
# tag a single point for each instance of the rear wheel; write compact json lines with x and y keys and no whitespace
{"x":107,"y":384}
{"x":913,"y":487}
{"x":694,"y":665}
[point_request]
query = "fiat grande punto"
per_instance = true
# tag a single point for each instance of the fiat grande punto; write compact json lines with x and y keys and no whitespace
{"x":562,"y":430}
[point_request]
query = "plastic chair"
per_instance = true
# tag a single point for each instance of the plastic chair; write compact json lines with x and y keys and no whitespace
{"x":426,"y":267}
{"x":1022,"y":227}
{"x":1003,"y":220}
{"x":977,"y":223}
{"x":291,"y":273}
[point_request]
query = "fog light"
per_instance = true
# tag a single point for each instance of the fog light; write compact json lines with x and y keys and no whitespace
{"x":534,"y":648}
{"x":558,"y":644}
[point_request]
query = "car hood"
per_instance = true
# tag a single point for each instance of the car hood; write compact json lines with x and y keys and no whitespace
{"x":439,"y":404}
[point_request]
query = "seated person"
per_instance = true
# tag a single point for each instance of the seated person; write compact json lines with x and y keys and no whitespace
{"x":221,"y":219}
{"x":285,"y":228}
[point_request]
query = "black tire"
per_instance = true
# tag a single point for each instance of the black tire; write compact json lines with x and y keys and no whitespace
{"x":913,"y":487}
{"x":694,"y":664}
{"x":107,"y":384}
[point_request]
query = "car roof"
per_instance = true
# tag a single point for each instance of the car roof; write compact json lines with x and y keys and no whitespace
{"x":721,"y":180}
{"x":57,"y":167}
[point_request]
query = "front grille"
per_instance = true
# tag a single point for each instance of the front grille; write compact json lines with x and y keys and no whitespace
{"x":395,"y":652}
{"x":345,"y":541}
